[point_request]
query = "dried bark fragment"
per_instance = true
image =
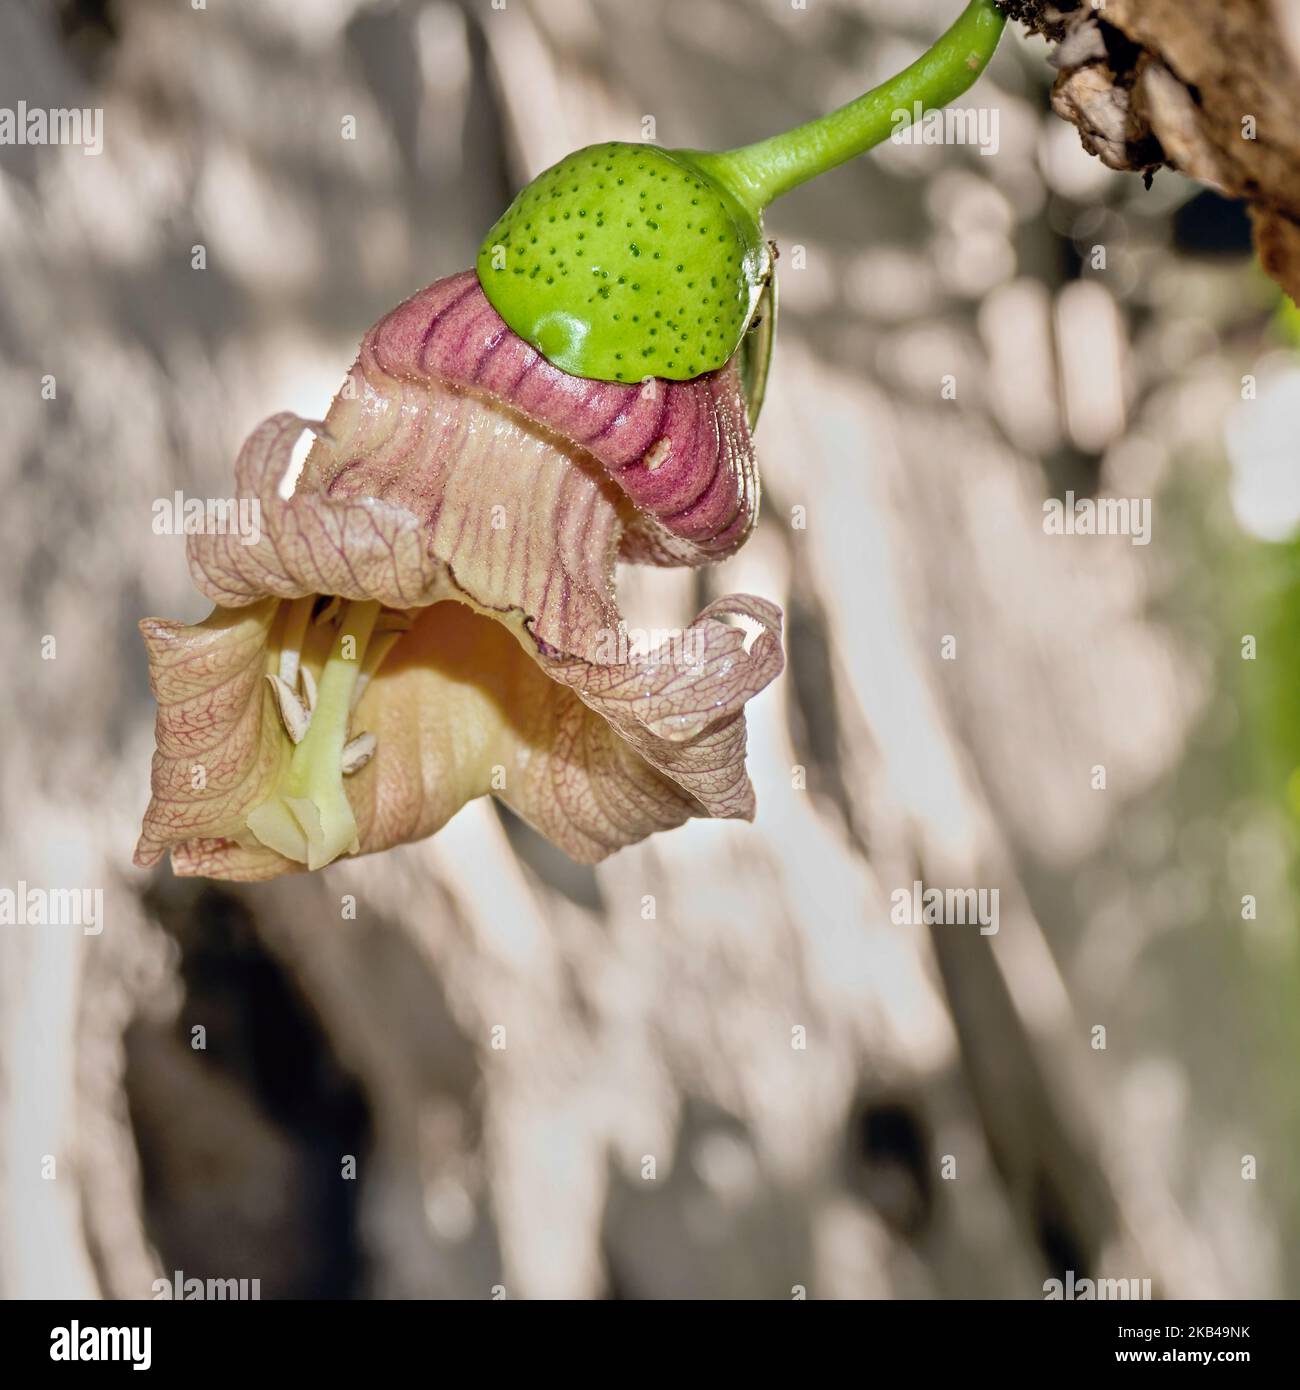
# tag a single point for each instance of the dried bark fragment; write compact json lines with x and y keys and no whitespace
{"x":1207,"y":88}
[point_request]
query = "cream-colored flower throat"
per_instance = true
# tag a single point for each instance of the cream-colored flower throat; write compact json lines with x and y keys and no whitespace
{"x":329,"y":651}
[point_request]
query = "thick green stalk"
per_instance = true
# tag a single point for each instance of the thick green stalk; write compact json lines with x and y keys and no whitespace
{"x":760,"y":173}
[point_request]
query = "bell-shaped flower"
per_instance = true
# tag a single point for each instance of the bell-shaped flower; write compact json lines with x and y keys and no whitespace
{"x":429,"y":614}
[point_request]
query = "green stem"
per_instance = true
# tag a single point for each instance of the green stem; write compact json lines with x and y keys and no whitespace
{"x":760,"y":173}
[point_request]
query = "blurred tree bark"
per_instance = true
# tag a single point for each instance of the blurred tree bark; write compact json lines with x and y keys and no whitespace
{"x":1208,"y":87}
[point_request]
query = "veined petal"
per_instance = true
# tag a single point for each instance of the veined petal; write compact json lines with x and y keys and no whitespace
{"x":680,"y":711}
{"x":472,"y":464}
{"x":364,"y":548}
{"x":594,"y":756}
{"x":219,"y":740}
{"x":680,"y":451}
{"x":522,"y":521}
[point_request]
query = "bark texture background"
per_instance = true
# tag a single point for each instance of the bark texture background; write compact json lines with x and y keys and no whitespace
{"x":1209,"y":88}
{"x":951,"y":1127}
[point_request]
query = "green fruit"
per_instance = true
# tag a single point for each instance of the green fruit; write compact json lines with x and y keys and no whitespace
{"x":623,"y":261}
{"x":627,"y":261}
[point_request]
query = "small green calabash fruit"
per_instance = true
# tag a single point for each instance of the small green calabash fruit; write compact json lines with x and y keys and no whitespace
{"x":625,"y":261}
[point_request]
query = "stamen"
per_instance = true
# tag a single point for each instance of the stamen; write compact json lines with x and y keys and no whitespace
{"x":295,"y":628}
{"x":295,"y":718}
{"x":308,"y":817}
{"x":358,"y":753}
{"x":387,"y":631}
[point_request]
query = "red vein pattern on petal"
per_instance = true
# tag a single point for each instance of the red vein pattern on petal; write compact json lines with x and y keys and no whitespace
{"x":588,"y":790}
{"x":219,"y":742}
{"x":680,"y":450}
{"x":525,"y":521}
{"x":596,"y":757}
{"x":310,"y":544}
{"x":231,"y":861}
{"x":682,"y":711}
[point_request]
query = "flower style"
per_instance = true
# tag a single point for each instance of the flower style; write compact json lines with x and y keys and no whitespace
{"x":429,"y":616}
